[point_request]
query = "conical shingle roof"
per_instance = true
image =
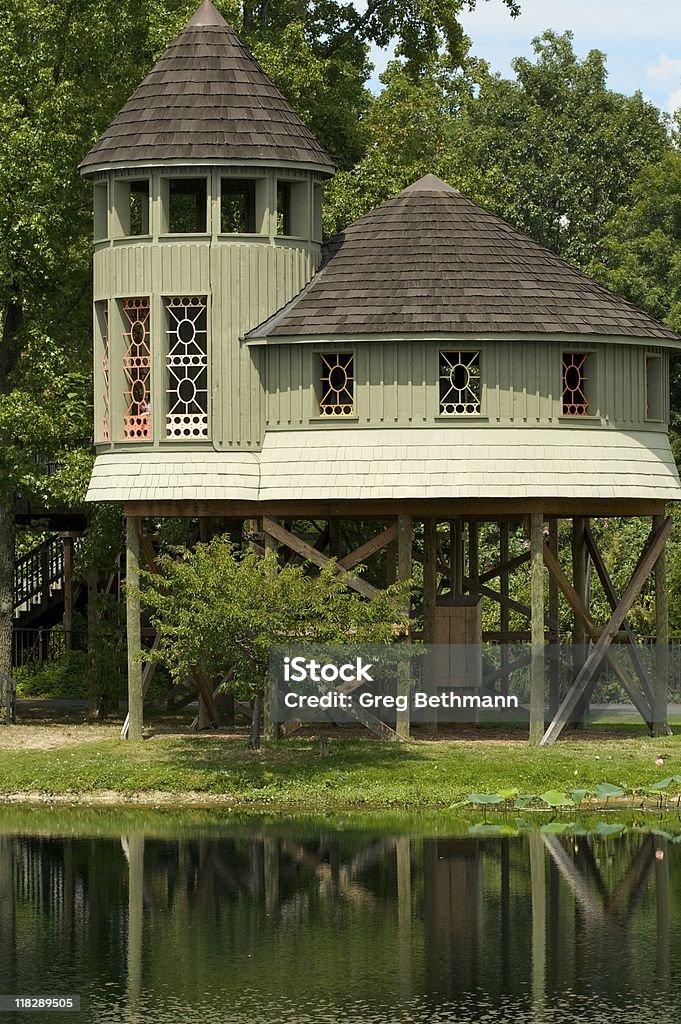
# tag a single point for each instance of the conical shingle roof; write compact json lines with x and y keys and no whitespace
{"x":432,"y":261}
{"x":207,"y":98}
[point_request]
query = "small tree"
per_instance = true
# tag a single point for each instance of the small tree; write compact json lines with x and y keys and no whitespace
{"x":223,"y":608}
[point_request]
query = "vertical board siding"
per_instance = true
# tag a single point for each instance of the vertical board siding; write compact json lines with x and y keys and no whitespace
{"x":521,"y":382}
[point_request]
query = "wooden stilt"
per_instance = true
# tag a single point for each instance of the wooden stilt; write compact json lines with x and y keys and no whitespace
{"x":579,"y":583}
{"x":504,"y":588}
{"x":430,"y":596}
{"x":660,"y":692}
{"x":91,"y":635}
{"x":204,"y":717}
{"x":270,"y":728}
{"x":554,"y":664}
{"x":537,"y":700}
{"x":335,"y":538}
{"x":134,"y":629}
{"x":68,"y":548}
{"x":404,"y":567}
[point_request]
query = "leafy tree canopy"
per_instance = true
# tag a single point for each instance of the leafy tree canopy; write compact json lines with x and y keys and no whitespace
{"x":554,"y":151}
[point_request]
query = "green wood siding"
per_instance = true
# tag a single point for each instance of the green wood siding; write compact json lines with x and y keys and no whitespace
{"x":521,"y":383}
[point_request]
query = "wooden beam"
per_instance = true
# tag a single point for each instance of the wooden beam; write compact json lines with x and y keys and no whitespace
{"x":310,"y":554}
{"x":443,"y":509}
{"x":404,"y":569}
{"x":611,"y":596}
{"x":360,"y":554}
{"x":134,"y":628}
{"x":506,"y":564}
{"x":594,"y":632}
{"x":554,"y":637}
{"x":430,"y":599}
{"x":537,"y":698}
{"x":271,"y":730}
{"x":504,"y":572}
{"x":660,"y":725}
{"x":653,"y":547}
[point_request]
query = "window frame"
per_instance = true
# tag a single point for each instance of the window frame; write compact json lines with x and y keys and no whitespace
{"x":475,"y":413}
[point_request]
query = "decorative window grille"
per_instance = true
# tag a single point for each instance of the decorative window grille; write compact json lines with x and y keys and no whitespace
{"x":337,"y":385}
{"x":137,"y":369}
{"x":187,"y":363}
{"x":575,"y":400}
{"x":459,"y":383}
{"x":103,"y":311}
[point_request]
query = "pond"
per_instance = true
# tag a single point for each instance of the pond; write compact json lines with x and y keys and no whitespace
{"x":161,"y":918}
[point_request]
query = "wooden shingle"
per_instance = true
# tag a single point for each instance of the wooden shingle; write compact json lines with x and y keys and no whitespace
{"x":207,"y":98}
{"x":432,"y":261}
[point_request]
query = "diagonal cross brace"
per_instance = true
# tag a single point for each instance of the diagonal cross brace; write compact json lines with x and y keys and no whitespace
{"x":611,"y":596}
{"x":651,"y":551}
{"x":301,"y":547}
{"x":581,"y":611}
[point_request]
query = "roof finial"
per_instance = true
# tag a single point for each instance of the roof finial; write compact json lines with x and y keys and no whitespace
{"x":207,"y":14}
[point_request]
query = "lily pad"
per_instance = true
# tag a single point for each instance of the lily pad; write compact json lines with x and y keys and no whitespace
{"x":555,"y":828}
{"x":484,"y":798}
{"x":579,"y":794}
{"x":608,"y":790}
{"x":554,"y":798}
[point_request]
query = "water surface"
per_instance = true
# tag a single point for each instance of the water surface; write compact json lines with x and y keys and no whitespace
{"x":264,"y":922}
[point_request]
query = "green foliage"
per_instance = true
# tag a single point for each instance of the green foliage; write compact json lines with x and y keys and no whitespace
{"x":224,"y":608}
{"x":63,"y":679}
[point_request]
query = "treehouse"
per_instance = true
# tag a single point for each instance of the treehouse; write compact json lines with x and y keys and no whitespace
{"x":430,"y":365}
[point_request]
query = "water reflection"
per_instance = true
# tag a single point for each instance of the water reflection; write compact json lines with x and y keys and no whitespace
{"x":307,"y":923}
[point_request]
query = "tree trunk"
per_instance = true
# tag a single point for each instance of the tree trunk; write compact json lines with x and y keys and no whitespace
{"x":6,"y":601}
{"x":254,"y":738}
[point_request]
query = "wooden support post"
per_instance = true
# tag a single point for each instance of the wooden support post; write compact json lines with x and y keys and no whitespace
{"x":660,"y":691}
{"x":134,"y":629}
{"x":537,"y":700}
{"x":69,"y":548}
{"x":92,"y":635}
{"x":270,"y":728}
{"x":473,"y":553}
{"x":504,"y":589}
{"x":335,"y":538}
{"x":430,"y":597}
{"x":579,"y":583}
{"x":404,"y":566}
{"x":554,"y":638}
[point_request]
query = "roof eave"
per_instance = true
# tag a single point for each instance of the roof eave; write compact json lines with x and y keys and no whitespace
{"x":252,"y":340}
{"x":91,"y":170}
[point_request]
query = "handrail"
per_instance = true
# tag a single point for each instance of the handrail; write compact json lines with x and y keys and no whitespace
{"x":38,"y":572}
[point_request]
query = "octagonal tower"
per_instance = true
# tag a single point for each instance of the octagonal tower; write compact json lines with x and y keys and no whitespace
{"x":207,"y":219}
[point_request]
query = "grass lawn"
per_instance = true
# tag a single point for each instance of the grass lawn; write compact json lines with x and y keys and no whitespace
{"x":358,"y":773}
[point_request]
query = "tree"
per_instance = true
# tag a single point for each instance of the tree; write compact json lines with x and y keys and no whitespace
{"x":225,"y":608}
{"x":555,"y":152}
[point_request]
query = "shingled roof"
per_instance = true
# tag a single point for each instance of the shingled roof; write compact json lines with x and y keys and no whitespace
{"x":432,"y":261}
{"x":207,"y":98}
